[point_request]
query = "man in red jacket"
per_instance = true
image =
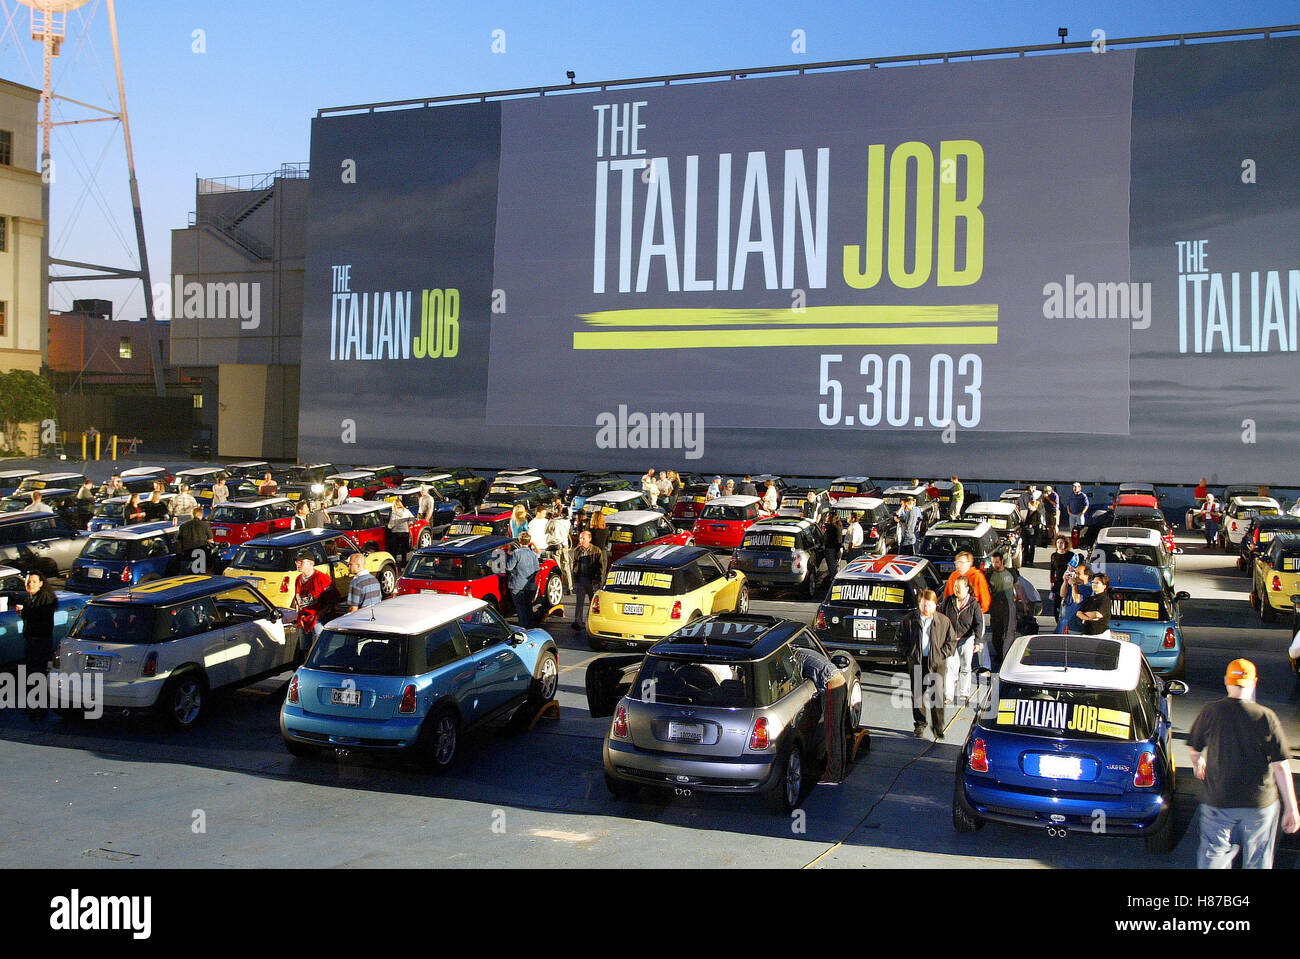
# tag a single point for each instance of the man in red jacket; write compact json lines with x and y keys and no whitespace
{"x":314,"y":595}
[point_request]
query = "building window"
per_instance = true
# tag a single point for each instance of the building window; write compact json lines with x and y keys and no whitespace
{"x":4,"y":318}
{"x":4,"y":234}
{"x":6,"y":148}
{"x":198,"y":401}
{"x":124,"y":348}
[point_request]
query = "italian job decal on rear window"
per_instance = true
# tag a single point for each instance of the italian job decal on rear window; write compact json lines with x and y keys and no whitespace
{"x":1063,"y":716}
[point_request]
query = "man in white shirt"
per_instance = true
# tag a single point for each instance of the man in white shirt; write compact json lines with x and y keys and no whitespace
{"x":36,"y":506}
{"x":426,"y":505}
{"x":537,"y":530}
{"x":853,"y":535}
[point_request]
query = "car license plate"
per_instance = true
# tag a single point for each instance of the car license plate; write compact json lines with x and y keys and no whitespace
{"x":1123,"y":637}
{"x":766,"y":563}
{"x":864,"y":629}
{"x":865,"y":613}
{"x":293,"y":495}
{"x":94,"y":572}
{"x":1060,"y":767}
{"x":345,"y":697}
{"x":98,"y":663}
{"x":428,"y":591}
{"x":633,"y":609}
{"x":686,"y":732}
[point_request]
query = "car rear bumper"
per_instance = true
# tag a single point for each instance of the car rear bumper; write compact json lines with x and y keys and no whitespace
{"x":134,"y":696}
{"x":773,"y":578}
{"x":744,"y":774}
{"x":315,"y":729}
{"x":1129,"y":814}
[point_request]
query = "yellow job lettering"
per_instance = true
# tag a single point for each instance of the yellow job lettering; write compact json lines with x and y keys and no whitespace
{"x":782,"y":540}
{"x":1083,"y":719}
{"x":162,"y":585}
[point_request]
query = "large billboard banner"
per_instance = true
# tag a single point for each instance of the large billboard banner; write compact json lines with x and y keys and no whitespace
{"x":1072,"y":265}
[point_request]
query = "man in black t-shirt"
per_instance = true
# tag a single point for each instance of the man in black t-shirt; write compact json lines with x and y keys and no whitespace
{"x":1094,"y":612}
{"x":1238,"y":749}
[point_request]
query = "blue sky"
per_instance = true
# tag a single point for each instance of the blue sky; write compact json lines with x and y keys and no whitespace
{"x":244,"y":103}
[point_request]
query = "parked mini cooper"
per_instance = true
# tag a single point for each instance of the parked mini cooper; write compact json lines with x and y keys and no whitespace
{"x":783,"y":553}
{"x":412,"y":676}
{"x":125,"y":556}
{"x":13,"y":647}
{"x":476,"y":566}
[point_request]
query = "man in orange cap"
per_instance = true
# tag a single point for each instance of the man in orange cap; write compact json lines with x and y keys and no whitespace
{"x":1239,"y":751}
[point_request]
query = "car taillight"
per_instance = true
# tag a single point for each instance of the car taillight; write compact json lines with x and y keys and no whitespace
{"x":1146,"y":771}
{"x":407,"y":704}
{"x":595,"y":603}
{"x":820,"y":622}
{"x":677,"y":610}
{"x":760,"y":738}
{"x":979,"y":757}
{"x":293,"y":690}
{"x":800,"y":562}
{"x":1170,"y":639}
{"x":284,"y":585}
{"x":1256,"y":537}
{"x":126,"y":573}
{"x":875,"y":532}
{"x":150,"y":667}
{"x":619,"y":730}
{"x":1277,"y":583}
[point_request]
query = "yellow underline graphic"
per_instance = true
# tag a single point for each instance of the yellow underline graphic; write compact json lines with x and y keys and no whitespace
{"x":816,"y":326}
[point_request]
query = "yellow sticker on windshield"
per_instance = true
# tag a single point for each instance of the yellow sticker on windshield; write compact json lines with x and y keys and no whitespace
{"x":1137,"y":609}
{"x":621,"y":536}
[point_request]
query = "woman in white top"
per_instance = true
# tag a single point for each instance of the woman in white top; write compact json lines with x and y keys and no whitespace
{"x":769,"y":498}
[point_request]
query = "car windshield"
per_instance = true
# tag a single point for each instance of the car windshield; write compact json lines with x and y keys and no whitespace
{"x":115,"y":623}
{"x":443,"y":566}
{"x":352,"y":522}
{"x":635,"y":579}
{"x":12,"y":534}
{"x":686,"y":683}
{"x":1141,"y":604}
{"x":1069,"y":712}
{"x":370,"y":654}
{"x":14,"y":505}
{"x":948,"y":545}
{"x":729,"y":513}
{"x":262,"y":559}
{"x":108,"y":549}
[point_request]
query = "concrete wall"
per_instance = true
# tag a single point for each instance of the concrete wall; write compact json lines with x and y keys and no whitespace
{"x":20,"y":205}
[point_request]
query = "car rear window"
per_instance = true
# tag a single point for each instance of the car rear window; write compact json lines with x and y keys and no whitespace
{"x":1139,"y":555}
{"x":995,"y":520}
{"x":649,"y":580}
{"x":949,"y":545}
{"x":262,"y":559}
{"x":730,"y":513}
{"x":232,"y":514}
{"x":115,"y":623}
{"x":691,"y":683}
{"x":445,"y":566}
{"x":368,"y":654}
{"x":1095,"y":714}
{"x":107,"y":549}
{"x":353,"y":522}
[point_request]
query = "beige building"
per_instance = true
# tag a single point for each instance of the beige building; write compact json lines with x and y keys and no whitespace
{"x":22,"y":230}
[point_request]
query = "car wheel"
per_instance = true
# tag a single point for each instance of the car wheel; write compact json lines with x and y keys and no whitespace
{"x":441,"y":740}
{"x":810,"y":586}
{"x":788,"y":788}
{"x":545,"y":683}
{"x":742,"y":600}
{"x":1162,"y":840}
{"x":1267,"y":613}
{"x":620,"y":789}
{"x":425,"y":539}
{"x":1241,"y":563}
{"x":554,"y":591}
{"x":184,"y":699}
{"x":1254,"y":599}
{"x":963,"y":817}
{"x":387,"y":581}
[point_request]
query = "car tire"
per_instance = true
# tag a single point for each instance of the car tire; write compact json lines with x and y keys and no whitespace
{"x":554,"y":594}
{"x":786,"y":792}
{"x":963,"y":817}
{"x":1162,"y":841}
{"x":810,"y":587}
{"x":439,"y":742}
{"x":1267,"y":614}
{"x":1241,"y":563}
{"x":545,"y":684}
{"x":742,"y":600}
{"x":425,"y":539}
{"x":620,"y":789}
{"x":387,"y":581}
{"x":184,"y":700}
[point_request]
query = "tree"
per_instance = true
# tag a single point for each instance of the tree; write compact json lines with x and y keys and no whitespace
{"x":25,"y":397}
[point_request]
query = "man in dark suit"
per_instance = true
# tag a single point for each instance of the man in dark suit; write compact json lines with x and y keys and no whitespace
{"x":928,"y":639}
{"x":194,"y":542}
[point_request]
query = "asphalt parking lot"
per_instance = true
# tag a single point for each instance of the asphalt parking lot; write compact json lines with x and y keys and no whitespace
{"x":119,"y":792}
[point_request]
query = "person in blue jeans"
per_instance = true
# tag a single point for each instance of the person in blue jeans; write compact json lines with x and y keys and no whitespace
{"x":1239,"y":751}
{"x":521,"y":578}
{"x":909,"y":518}
{"x":1077,"y":588}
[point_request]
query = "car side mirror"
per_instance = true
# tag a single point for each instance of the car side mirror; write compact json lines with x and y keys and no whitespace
{"x":1175,"y":687}
{"x":517,"y":636}
{"x":1182,"y":594}
{"x":277,"y":615}
{"x":842,"y":660}
{"x":1295,"y":598}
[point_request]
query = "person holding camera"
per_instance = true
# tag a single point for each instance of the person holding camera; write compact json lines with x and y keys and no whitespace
{"x":522,"y":568}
